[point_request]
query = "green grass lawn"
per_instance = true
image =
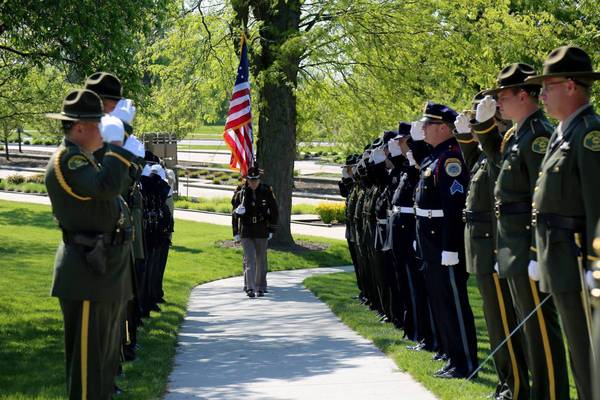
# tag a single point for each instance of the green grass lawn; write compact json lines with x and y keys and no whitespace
{"x":337,"y":291}
{"x":31,"y":336}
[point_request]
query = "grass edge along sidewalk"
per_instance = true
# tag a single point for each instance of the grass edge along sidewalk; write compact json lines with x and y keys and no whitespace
{"x":337,"y":290}
{"x":31,"y":335}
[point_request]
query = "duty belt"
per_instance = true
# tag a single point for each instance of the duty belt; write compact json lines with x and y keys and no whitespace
{"x":520,"y":207}
{"x":576,"y":224}
{"x":253,"y":220}
{"x":476,"y":216}
{"x":429,"y":213}
{"x":115,"y":238}
{"x":404,"y":210}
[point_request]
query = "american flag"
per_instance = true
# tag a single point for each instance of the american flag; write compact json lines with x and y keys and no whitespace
{"x":238,"y":128}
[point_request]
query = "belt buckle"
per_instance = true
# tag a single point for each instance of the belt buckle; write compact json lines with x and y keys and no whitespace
{"x":464,"y":216}
{"x":253,"y":220}
{"x":534,"y":214}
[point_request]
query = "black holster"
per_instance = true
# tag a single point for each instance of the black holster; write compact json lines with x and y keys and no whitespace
{"x":96,"y":257}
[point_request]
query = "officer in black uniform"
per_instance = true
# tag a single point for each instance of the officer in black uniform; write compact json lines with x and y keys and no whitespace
{"x":254,"y":220}
{"x":439,"y":201}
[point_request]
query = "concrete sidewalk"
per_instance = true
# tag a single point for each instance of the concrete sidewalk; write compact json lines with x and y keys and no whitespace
{"x":287,"y":345}
{"x":332,"y":232}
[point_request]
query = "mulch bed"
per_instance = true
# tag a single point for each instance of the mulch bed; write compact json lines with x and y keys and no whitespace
{"x":298,"y":247}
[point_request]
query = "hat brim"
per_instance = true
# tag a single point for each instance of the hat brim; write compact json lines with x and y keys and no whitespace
{"x":64,"y":117}
{"x":494,"y":91}
{"x":429,"y":119}
{"x":253,"y":178}
{"x":538,"y":79}
{"x":108,"y":96}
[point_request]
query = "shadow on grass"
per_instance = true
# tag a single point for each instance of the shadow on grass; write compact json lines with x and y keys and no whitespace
{"x":23,"y":216}
{"x":184,"y":249}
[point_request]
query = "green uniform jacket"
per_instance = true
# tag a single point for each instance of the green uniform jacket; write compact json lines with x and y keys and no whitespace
{"x":351,"y":201}
{"x":568,"y":186}
{"x":479,"y":235}
{"x":261,"y":214}
{"x":85,"y":197}
{"x":518,"y":156}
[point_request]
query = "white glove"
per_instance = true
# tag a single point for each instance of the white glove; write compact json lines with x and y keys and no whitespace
{"x":111,"y":129}
{"x":240,"y":210}
{"x":411,"y":159}
{"x":532,"y":270}
{"x":125,"y":111}
{"x":146,"y":170}
{"x":160,"y":171}
{"x":270,"y":236}
{"x":378,"y":156}
{"x":345,"y":173}
{"x":236,"y":238}
{"x":449,"y":258}
{"x":486,"y":109}
{"x":416,"y":131}
{"x":366,"y":155}
{"x":134,"y":146}
{"x":496,"y":268}
{"x":462,"y":123}
{"x":394,"y":147}
{"x":414,"y":245}
{"x":590,"y":282}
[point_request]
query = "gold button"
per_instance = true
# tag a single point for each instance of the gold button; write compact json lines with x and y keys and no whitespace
{"x":535,"y":189}
{"x":487,"y":235}
{"x":596,"y":292}
{"x":433,"y":232}
{"x":533,"y":205}
{"x":540,"y":173}
{"x":509,"y":167}
{"x":596,"y":245}
{"x":596,"y":274}
{"x":527,"y":227}
{"x":556,"y":169}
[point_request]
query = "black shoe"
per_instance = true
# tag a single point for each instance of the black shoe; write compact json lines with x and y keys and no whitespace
{"x":447,"y":367}
{"x":155,"y":307}
{"x":417,"y":347}
{"x":245,"y":289}
{"x":260,"y":293}
{"x":250,"y":293}
{"x":118,"y":391}
{"x":452,"y":373}
{"x":265,"y":291}
{"x":161,"y":301}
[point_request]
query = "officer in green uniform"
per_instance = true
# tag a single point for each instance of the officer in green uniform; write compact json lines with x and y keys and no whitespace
{"x":518,"y":155}
{"x":567,"y":199}
{"x":254,"y":220}
{"x":480,"y":227}
{"x":92,"y":276}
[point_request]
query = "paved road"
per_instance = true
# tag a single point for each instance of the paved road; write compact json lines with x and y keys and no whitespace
{"x":285,"y":346}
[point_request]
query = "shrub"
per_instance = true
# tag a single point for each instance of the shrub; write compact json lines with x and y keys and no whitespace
{"x":39,"y":178}
{"x":216,"y":181}
{"x":15,"y":179}
{"x":303,"y":209}
{"x":330,"y":212}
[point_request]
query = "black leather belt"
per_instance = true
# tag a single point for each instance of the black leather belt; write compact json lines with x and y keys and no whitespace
{"x":576,"y":224}
{"x":520,"y":207}
{"x":115,"y":238}
{"x":476,"y":216}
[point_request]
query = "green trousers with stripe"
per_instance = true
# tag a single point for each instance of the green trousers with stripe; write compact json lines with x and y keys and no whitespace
{"x":90,"y":343}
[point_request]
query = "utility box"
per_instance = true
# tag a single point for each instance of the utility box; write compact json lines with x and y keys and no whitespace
{"x":164,"y":146}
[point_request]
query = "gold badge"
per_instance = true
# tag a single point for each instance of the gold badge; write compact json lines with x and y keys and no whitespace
{"x":591,"y":141}
{"x":539,"y":145}
{"x":427,"y":173}
{"x":453,"y":167}
{"x":77,"y":161}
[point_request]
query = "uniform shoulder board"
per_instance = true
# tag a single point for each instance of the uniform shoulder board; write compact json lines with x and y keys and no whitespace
{"x":539,"y":144}
{"x":453,"y":167}
{"x":591,"y":140}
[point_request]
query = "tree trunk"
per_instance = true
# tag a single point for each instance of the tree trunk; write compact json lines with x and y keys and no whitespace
{"x":275,"y":68}
{"x":6,"y":146}
{"x":277,"y":149}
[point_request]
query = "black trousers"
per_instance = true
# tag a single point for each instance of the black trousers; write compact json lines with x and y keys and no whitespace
{"x":501,"y":320}
{"x":455,"y":324}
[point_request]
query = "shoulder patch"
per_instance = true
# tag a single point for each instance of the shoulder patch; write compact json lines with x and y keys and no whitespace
{"x":453,"y":167}
{"x":539,"y":145}
{"x":591,"y":141}
{"x":77,"y":161}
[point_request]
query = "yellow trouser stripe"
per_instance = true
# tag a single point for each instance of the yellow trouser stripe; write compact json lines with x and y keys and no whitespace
{"x":511,"y":351}
{"x":545,"y":340}
{"x":85,"y":322}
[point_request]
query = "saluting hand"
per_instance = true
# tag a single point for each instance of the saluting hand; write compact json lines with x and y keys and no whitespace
{"x":486,"y":109}
{"x":416,"y":131}
{"x":462,"y":123}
